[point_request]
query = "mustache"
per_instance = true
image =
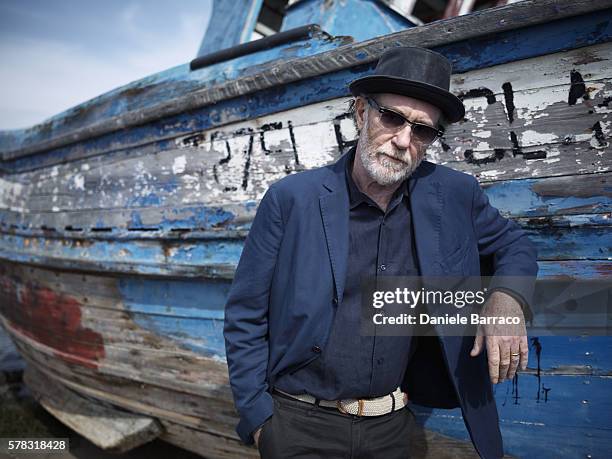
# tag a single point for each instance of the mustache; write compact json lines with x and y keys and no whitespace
{"x":394,"y":156}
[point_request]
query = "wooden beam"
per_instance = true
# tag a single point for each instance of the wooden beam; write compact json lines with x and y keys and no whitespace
{"x":105,"y":426}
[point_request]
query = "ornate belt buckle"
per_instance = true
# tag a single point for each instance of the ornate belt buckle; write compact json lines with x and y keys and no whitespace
{"x":360,"y":402}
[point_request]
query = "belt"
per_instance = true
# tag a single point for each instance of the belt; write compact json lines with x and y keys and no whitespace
{"x":359,"y":407}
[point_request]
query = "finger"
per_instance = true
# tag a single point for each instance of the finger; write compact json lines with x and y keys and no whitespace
{"x":478,"y":344}
{"x":493,"y":358}
{"x":515,"y":357}
{"x":524,"y":350}
{"x":504,"y":359}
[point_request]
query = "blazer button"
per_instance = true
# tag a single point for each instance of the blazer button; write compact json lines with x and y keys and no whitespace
{"x":316,"y":349}
{"x":336,"y":301}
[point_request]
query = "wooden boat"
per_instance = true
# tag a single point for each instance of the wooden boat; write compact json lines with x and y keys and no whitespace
{"x":122,"y":219}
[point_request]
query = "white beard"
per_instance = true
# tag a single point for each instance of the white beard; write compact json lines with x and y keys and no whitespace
{"x":385,"y":171}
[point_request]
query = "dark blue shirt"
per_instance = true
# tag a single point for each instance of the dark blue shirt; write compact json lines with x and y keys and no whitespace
{"x":381,"y":243}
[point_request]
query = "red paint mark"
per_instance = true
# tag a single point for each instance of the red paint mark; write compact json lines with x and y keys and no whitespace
{"x":50,"y":318}
{"x":604,"y":269}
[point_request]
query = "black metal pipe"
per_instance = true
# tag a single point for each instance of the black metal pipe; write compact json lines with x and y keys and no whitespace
{"x":299,"y":33}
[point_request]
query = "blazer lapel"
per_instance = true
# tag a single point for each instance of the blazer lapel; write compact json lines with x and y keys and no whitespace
{"x":426,"y":204}
{"x":334,"y":205}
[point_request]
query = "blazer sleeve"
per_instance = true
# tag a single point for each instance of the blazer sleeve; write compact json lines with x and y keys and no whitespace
{"x":246,"y":318}
{"x":514,"y":255}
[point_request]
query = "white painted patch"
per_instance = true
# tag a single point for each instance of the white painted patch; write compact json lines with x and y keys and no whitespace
{"x":492,"y":174}
{"x":482,"y":134}
{"x":482,"y":146}
{"x":537,"y":72}
{"x":178,"y":166}
{"x":79,"y":182}
{"x":530,"y":137}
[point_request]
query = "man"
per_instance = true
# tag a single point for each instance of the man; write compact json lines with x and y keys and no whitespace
{"x":305,"y":381}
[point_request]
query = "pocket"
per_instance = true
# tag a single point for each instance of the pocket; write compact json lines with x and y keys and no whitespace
{"x":262,"y":434}
{"x":410,"y":413}
{"x":456,"y":252}
{"x":454,"y":260}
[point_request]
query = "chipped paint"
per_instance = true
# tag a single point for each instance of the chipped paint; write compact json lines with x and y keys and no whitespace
{"x":530,"y":137}
{"x":482,"y":134}
{"x":51,"y":318}
{"x":79,"y":182}
{"x":178,"y":166}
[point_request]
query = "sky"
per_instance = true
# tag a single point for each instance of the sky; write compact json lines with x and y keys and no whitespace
{"x":56,"y":54}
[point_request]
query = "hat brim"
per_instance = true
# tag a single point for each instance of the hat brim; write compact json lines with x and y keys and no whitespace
{"x":451,"y":105}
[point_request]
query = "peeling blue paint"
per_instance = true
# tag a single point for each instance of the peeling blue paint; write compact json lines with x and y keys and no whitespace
{"x":210,"y":258}
{"x":188,"y":312}
{"x":544,"y":424}
{"x":152,"y":199}
{"x":339,"y":18}
{"x":483,"y":52}
{"x":517,"y":197}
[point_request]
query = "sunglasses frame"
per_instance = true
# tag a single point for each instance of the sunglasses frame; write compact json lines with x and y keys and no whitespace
{"x":382,"y":110}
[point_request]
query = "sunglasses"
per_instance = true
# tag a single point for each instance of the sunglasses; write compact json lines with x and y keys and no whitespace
{"x":394,"y":121}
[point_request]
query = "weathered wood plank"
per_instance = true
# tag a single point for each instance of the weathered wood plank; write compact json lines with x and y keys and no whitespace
{"x":208,"y":408}
{"x":164,"y":388}
{"x":558,"y":237}
{"x":214,"y":418}
{"x":195,"y":259}
{"x":585,"y":193}
{"x":206,"y":444}
{"x":566,"y":195}
{"x":576,"y":269}
{"x":105,"y":426}
{"x":204,"y":180}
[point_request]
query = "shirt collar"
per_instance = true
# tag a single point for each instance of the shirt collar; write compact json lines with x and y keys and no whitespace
{"x":356,"y":196}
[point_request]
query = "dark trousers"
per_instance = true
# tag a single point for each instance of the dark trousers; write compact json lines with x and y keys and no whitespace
{"x":300,"y":429}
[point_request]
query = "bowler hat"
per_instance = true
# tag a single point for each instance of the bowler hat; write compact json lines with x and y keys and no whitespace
{"x":414,"y":72}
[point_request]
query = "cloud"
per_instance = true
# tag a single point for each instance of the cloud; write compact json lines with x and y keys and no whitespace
{"x":42,"y":77}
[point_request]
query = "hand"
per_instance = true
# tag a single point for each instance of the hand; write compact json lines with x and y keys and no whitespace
{"x":256,"y":436}
{"x":502,"y":341}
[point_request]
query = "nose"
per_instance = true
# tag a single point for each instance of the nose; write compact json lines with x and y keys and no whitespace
{"x":402,"y":138}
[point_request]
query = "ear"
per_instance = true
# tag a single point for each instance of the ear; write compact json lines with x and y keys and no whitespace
{"x":360,"y":108}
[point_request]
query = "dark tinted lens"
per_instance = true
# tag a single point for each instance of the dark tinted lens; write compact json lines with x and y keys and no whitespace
{"x":391,"y":120}
{"x":424,"y":133}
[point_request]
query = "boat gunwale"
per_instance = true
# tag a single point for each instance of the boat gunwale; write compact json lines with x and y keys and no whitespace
{"x":479,"y":24}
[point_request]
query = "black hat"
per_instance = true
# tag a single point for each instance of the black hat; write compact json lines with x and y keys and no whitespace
{"x":414,"y":72}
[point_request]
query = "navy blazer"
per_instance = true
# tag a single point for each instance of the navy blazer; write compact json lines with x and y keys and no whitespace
{"x":291,"y":277}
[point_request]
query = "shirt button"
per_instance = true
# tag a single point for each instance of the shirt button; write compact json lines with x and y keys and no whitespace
{"x":383,"y":267}
{"x":316,"y":349}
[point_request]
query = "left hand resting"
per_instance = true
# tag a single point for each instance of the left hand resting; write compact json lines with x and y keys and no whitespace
{"x":507,"y":346}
